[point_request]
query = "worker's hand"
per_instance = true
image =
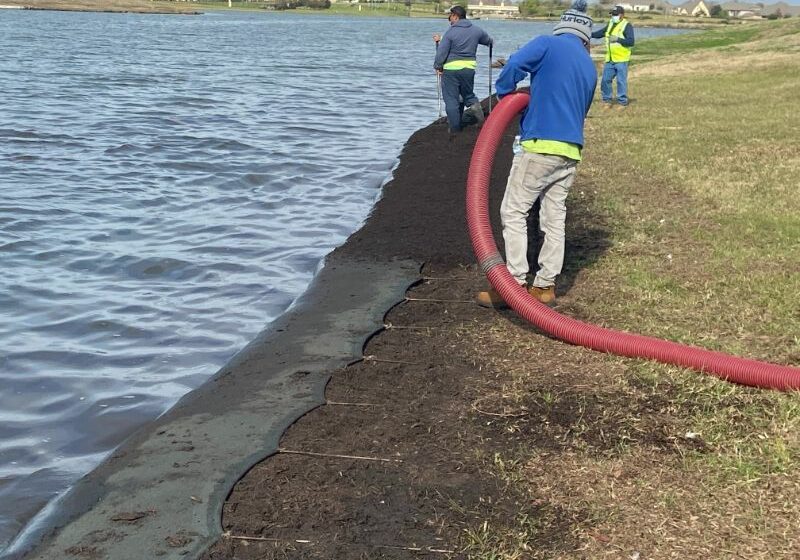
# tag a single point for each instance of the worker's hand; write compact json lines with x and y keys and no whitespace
{"x":613,"y":39}
{"x":436,"y":37}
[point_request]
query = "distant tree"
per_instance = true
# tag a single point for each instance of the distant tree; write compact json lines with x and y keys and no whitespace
{"x":549,"y":8}
{"x":716,"y":10}
{"x":293,"y":4}
{"x":555,"y":7}
{"x":529,"y":7}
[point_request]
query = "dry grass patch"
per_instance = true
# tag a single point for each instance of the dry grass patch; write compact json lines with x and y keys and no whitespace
{"x":702,"y":194}
{"x":624,"y":457}
{"x":694,"y":189}
{"x":729,"y":59}
{"x":649,"y":506}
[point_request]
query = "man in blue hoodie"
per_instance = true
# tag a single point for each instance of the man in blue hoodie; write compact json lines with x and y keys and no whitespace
{"x":455,"y":62}
{"x":563,"y":80}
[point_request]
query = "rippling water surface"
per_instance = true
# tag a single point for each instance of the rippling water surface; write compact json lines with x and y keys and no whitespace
{"x":169,"y":186}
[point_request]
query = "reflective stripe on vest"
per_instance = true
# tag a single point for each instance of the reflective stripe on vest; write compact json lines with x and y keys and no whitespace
{"x":614,"y":51}
{"x":461,"y":64}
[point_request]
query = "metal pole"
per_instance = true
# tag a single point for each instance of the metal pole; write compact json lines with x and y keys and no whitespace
{"x":490,"y":80}
{"x":439,"y":85}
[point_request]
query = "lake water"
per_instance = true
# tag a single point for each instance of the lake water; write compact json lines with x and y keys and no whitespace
{"x":169,"y":185}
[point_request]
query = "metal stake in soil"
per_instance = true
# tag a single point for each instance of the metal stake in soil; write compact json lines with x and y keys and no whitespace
{"x":439,"y":85}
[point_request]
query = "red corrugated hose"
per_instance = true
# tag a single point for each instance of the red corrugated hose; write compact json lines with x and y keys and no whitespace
{"x":731,"y":368}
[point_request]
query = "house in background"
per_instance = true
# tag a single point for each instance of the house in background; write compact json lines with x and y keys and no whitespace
{"x":660,"y":6}
{"x":694,"y":8}
{"x":485,"y":9}
{"x":634,"y":7}
{"x":703,"y":8}
{"x":741,"y":10}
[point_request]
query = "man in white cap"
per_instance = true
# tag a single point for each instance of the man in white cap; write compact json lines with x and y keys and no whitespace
{"x":563,"y":80}
{"x":619,"y":39}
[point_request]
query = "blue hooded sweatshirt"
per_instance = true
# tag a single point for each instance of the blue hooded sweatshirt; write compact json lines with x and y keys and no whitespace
{"x":563,"y":80}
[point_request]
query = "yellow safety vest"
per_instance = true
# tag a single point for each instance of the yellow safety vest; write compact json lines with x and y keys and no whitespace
{"x":553,"y":148}
{"x":614,"y":51}
{"x":460,"y":65}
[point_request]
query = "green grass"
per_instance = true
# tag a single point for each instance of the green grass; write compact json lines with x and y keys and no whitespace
{"x":712,"y":184}
{"x":707,"y":217}
{"x":697,"y":185}
{"x":693,"y":41}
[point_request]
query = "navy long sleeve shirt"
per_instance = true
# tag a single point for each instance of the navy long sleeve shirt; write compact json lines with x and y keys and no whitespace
{"x":626,"y":41}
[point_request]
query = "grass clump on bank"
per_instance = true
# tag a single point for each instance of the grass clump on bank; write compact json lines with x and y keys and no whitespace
{"x":380,"y":9}
{"x":692,"y":194}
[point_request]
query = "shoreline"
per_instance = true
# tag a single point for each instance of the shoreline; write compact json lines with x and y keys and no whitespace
{"x":150,"y":7}
{"x":101,"y":6}
{"x":160,"y":493}
{"x":136,"y":493}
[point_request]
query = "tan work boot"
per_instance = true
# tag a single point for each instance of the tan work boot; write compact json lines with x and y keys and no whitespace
{"x":490,"y":298}
{"x":545,"y":295}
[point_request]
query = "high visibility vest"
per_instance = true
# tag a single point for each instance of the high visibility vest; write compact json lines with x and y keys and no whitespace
{"x":460,"y":65}
{"x":614,"y":51}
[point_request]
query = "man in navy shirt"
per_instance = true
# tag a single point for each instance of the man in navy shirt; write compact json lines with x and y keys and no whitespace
{"x":563,"y":80}
{"x":455,"y":62}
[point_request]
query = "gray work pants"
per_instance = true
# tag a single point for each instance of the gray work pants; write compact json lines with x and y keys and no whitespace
{"x":536,"y":176}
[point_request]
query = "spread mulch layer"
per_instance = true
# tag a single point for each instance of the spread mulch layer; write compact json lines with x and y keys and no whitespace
{"x":387,"y":468}
{"x":393,"y":465}
{"x":466,"y":433}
